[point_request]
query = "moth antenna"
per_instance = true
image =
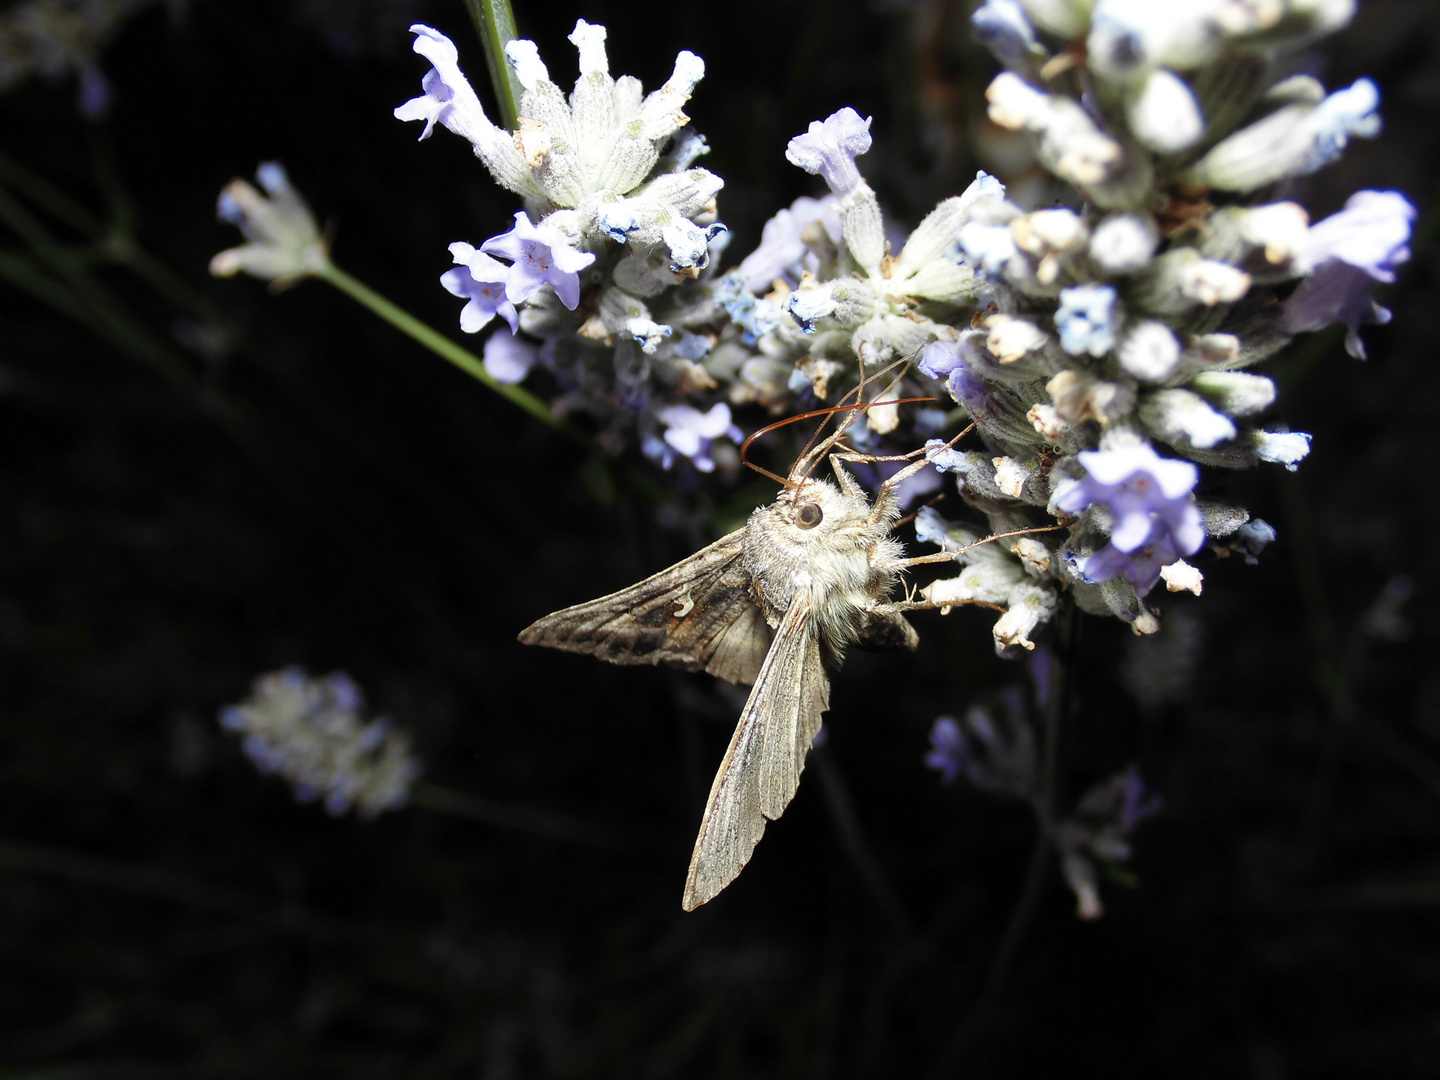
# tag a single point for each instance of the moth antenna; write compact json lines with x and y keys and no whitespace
{"x":812,"y":454}
{"x":812,"y":414}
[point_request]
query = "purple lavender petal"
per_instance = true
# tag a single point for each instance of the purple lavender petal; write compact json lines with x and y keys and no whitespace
{"x":1335,"y":292}
{"x":947,"y":754}
{"x":830,"y":148}
{"x":541,"y":255}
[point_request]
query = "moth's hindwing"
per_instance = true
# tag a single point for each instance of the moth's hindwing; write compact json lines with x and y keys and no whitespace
{"x":762,"y":766}
{"x":698,"y":614}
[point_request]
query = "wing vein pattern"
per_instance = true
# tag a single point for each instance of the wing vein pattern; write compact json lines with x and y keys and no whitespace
{"x":698,"y":614}
{"x":761,"y":770}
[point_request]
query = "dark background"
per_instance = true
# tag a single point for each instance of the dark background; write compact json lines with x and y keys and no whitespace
{"x":313,"y":488}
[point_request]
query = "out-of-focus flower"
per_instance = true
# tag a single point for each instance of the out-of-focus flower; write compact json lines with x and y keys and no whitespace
{"x":947,"y":753}
{"x":1098,"y":833}
{"x":690,"y":433}
{"x":994,"y":748}
{"x":1344,"y":255}
{"x":784,"y":251}
{"x":541,"y":255}
{"x":509,"y":358}
{"x":283,"y":242}
{"x":1087,"y":319}
{"x":314,"y":734}
{"x":1305,"y":134}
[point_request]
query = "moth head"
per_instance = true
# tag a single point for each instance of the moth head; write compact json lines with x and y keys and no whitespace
{"x":816,"y":508}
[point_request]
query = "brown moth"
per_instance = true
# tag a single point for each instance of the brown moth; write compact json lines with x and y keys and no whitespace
{"x":773,"y":604}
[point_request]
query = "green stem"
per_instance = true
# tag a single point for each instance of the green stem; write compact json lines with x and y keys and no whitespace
{"x":495,"y":23}
{"x":443,"y":347}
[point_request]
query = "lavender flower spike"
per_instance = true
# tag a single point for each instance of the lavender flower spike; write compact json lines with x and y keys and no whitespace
{"x":542,"y":255}
{"x":481,"y":280}
{"x":830,"y":149}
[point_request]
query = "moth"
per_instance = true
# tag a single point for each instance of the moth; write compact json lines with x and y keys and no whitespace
{"x":773,"y":605}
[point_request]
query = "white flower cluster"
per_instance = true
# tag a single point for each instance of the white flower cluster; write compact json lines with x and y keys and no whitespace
{"x":313,"y":733}
{"x":609,"y":193}
{"x":1125,"y":321}
{"x":1110,"y":358}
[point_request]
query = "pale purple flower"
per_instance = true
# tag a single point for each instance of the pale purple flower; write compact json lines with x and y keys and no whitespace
{"x":1345,"y":254}
{"x":1372,"y":233}
{"x":947,"y":754}
{"x":1087,"y":319}
{"x":1344,"y":113}
{"x":829,"y":149}
{"x":941,"y":358}
{"x":542,"y":255}
{"x":690,"y":434}
{"x":1142,"y":566}
{"x":449,"y":100}
{"x":1156,"y":520}
{"x":783,"y":252}
{"x":946,"y":360}
{"x":993,"y":748}
{"x":509,"y":358}
{"x":481,"y":280}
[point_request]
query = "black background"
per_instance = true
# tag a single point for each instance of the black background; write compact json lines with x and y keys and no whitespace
{"x":324,"y":492}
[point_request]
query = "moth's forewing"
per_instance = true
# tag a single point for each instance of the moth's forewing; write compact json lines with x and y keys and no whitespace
{"x":698,"y":614}
{"x":762,"y":766}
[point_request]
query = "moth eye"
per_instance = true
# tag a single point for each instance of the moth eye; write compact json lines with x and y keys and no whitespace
{"x":808,"y":515}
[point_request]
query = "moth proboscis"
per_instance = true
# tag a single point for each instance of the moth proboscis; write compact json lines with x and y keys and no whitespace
{"x":771,"y":605}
